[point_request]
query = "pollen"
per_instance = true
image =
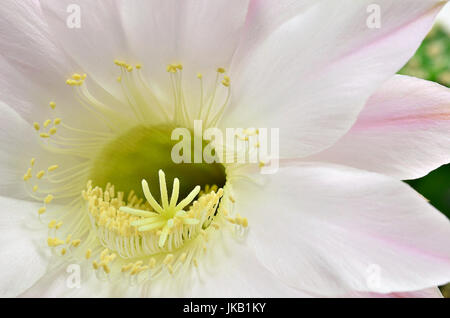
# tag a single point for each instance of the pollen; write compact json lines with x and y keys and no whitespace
{"x":123,"y":233}
{"x":153,"y":227}
{"x":48,"y":199}
{"x":52,"y":168}
{"x":46,"y":123}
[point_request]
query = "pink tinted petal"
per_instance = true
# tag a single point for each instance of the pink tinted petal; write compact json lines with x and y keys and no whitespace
{"x":332,"y":230}
{"x":433,"y":292}
{"x":312,"y":74}
{"x":403,"y":131}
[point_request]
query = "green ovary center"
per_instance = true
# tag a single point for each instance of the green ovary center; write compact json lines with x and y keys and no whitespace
{"x":129,"y":207}
{"x":140,"y":153}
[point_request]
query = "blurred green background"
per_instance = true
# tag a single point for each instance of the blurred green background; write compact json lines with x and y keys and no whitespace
{"x":432,"y":62}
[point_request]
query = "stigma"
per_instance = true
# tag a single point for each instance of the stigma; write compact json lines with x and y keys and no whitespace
{"x":136,"y":228}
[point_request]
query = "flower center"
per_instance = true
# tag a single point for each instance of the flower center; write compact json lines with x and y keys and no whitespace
{"x":154,"y":226}
{"x":140,"y":153}
{"x":140,"y":211}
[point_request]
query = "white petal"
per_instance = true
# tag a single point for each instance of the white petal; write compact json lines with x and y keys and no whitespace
{"x":17,"y":147}
{"x":403,"y":131}
{"x":26,"y":42}
{"x":433,"y":292}
{"x":313,"y":74}
{"x":229,"y":269}
{"x":444,"y":17}
{"x":332,"y":230}
{"x":59,"y":282}
{"x":23,"y":256}
{"x":154,"y":33}
{"x":34,"y":69}
{"x":198,"y":33}
{"x":236,"y":272}
{"x":99,"y":39}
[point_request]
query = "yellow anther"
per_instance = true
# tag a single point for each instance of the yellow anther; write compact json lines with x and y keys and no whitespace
{"x":52,"y":131}
{"x":168,"y":259}
{"x":35,"y":188}
{"x":44,"y":135}
{"x":134,"y":270}
{"x":76,"y":243}
{"x":52,"y":105}
{"x":72,"y":82}
{"x":138,"y":66}
{"x":76,"y":76}
{"x":63,"y":251}
{"x":171,"y":68}
{"x":54,"y":241}
{"x":47,"y":122}
{"x":179,"y":66}
{"x":36,"y":126}
{"x":95,"y":265}
{"x":215,"y":225}
{"x":119,"y":79}
{"x":88,"y":254}
{"x":231,"y":220}
{"x":68,"y":238}
{"x":52,"y":168}
{"x":129,"y":68}
{"x":226,"y":81}
{"x":183,"y":257}
{"x":106,"y":268}
{"x":152,"y":263}
{"x":27,"y":176}
{"x":126,"y":268}
{"x":104,"y":253}
{"x":51,"y":224}
{"x":221,"y":70}
{"x":58,"y":225}
{"x":199,"y":75}
{"x":42,"y":210}
{"x":84,"y":76}
{"x":57,"y":121}
{"x":243,"y":222}
{"x":138,"y":263}
{"x":48,"y":199}
{"x":32,"y":161}
{"x":40,"y":174}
